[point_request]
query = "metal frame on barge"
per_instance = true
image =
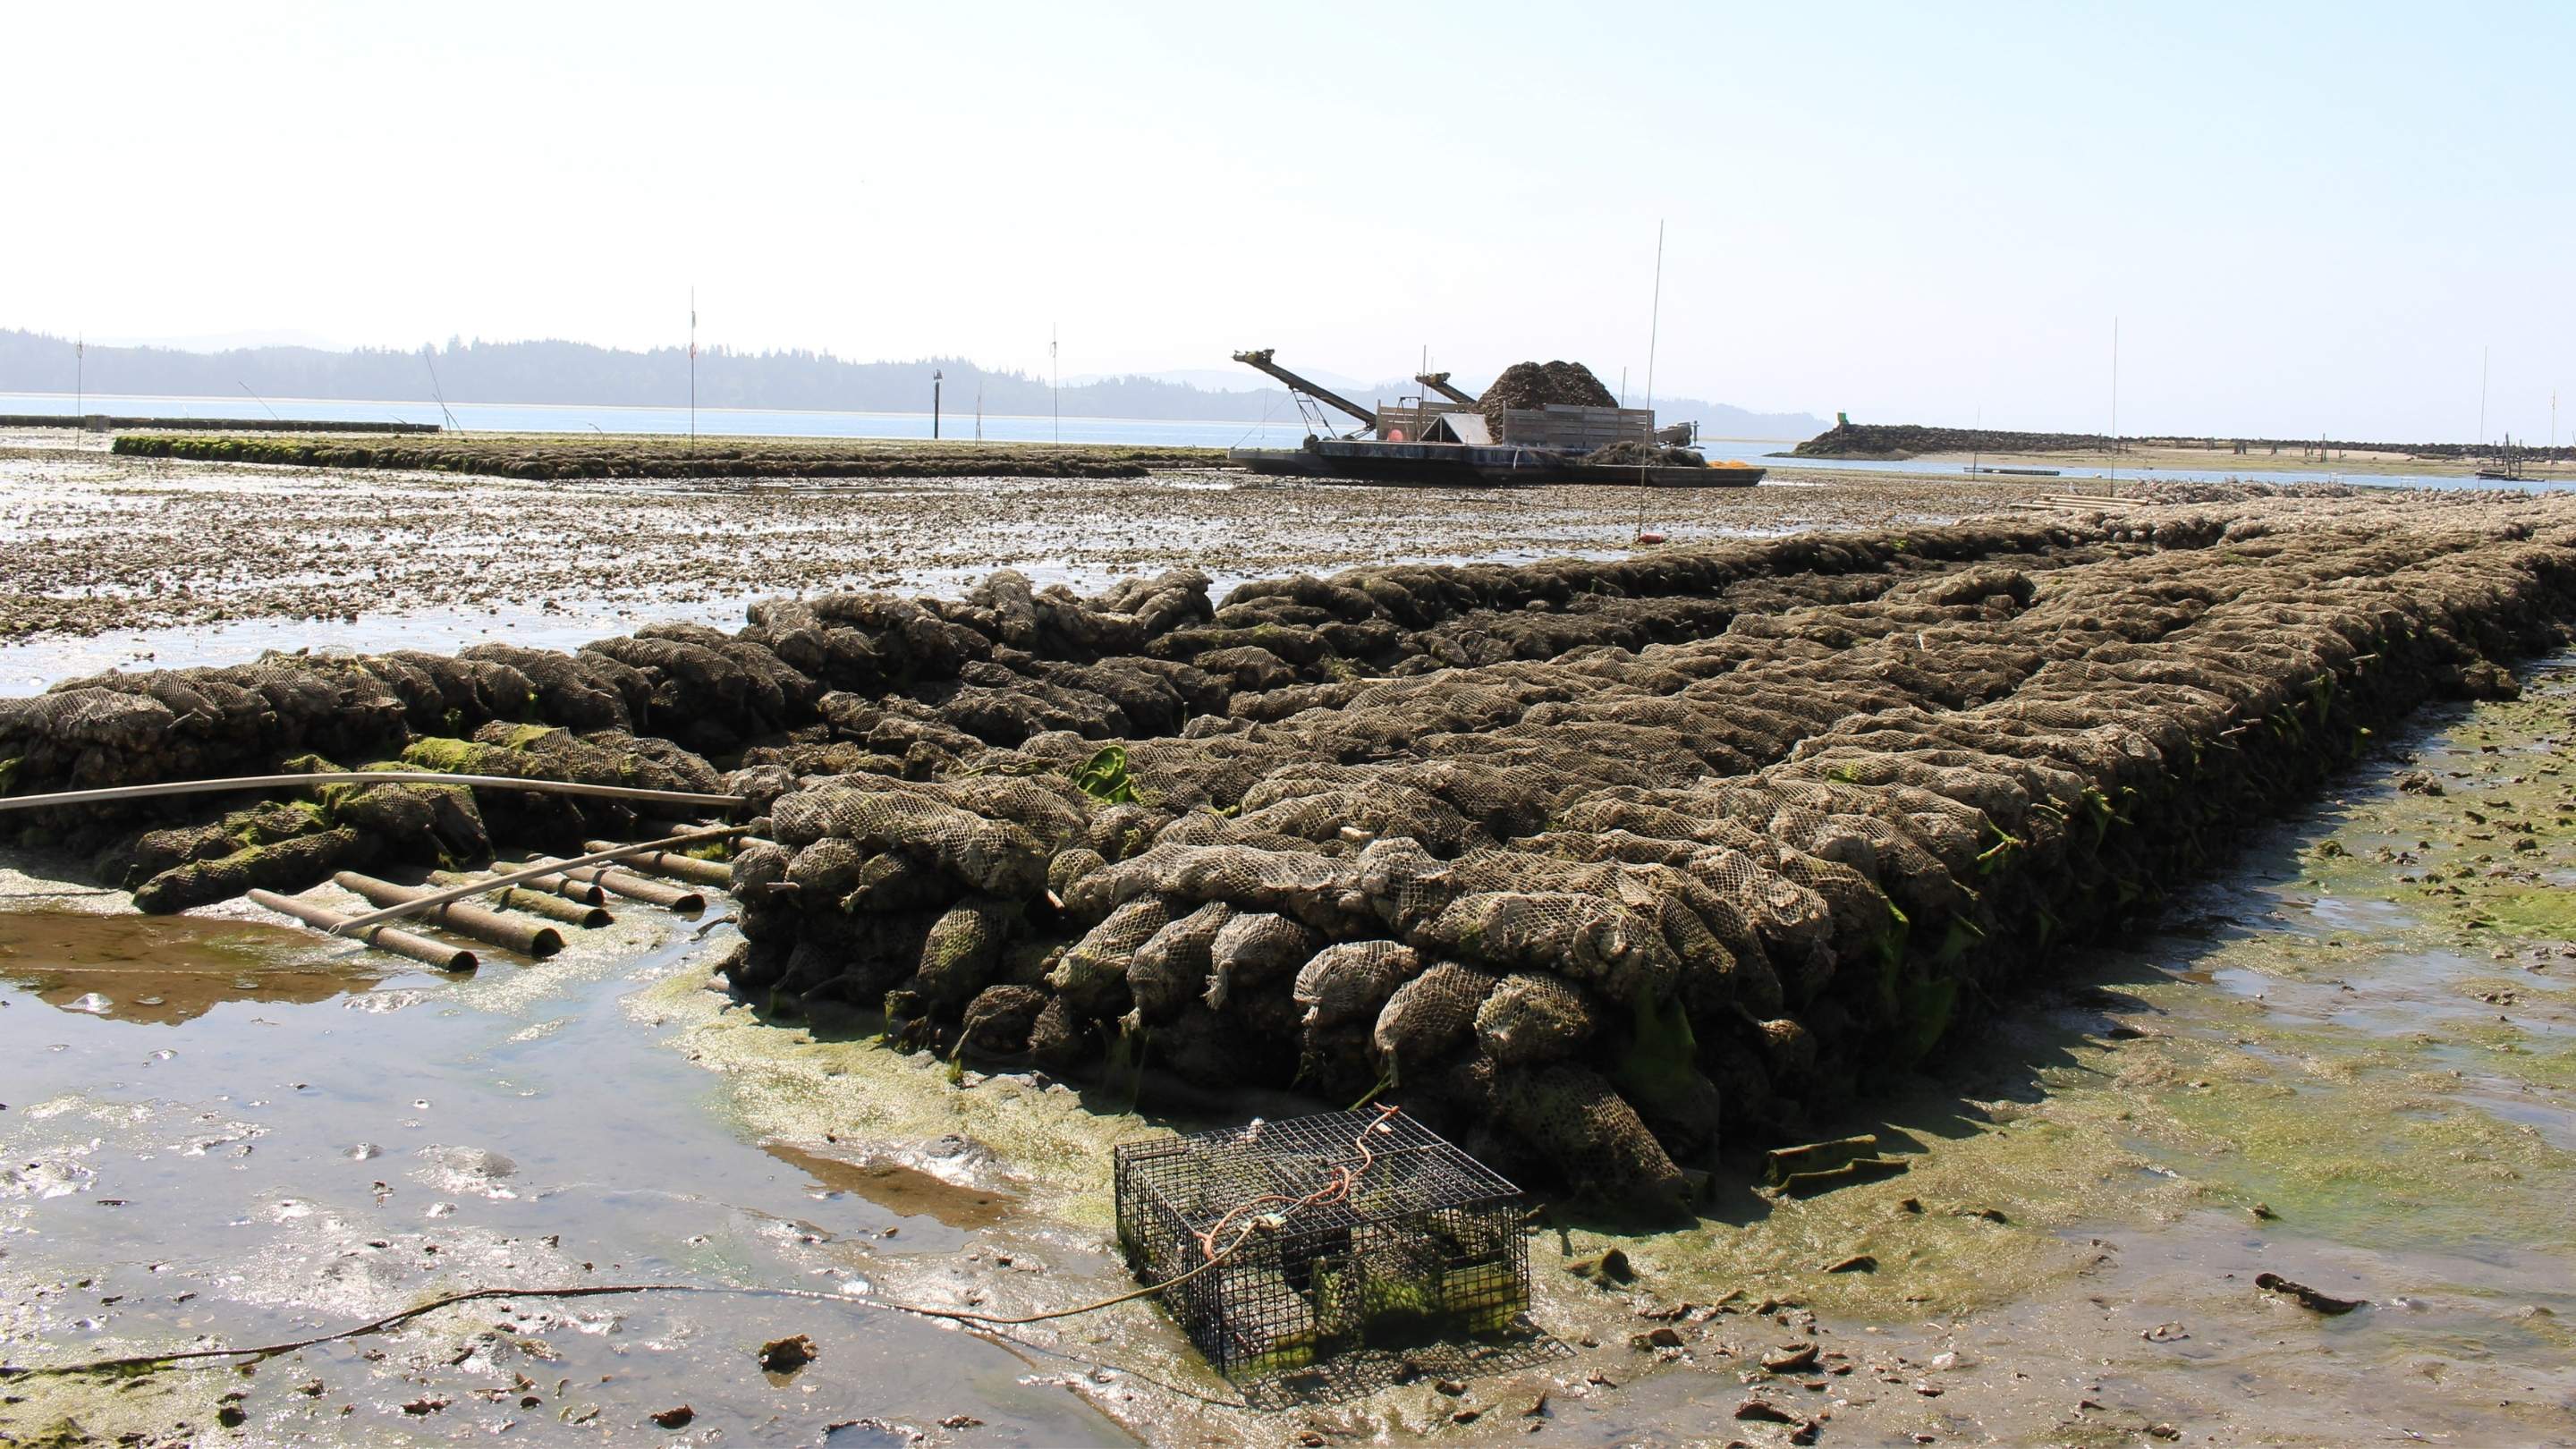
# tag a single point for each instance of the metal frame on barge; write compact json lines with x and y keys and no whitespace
{"x":1446,"y":440}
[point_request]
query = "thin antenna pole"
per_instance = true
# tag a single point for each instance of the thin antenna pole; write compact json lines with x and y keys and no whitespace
{"x":2115,"y":407}
{"x":2482,"y":397}
{"x":1055,"y":384}
{"x":693,"y":365}
{"x":1654,"y":328}
{"x":1655,"y":319}
{"x":427,"y":355}
{"x":255,"y":397}
{"x":80,"y":389}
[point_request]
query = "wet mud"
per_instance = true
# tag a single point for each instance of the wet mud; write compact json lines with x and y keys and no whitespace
{"x":2346,"y":1060}
{"x":2320,"y":1068}
{"x":898,"y":1188}
{"x":160,"y":969}
{"x":123,"y":562}
{"x":271,"y":1169}
{"x":2297,"y":1070}
{"x":633,"y":456}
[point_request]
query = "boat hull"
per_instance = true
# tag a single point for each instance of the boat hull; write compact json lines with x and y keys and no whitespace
{"x":1460,"y":465}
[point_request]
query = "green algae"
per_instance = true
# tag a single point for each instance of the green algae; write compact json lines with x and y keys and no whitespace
{"x":1660,"y":1069}
{"x":441,"y":754}
{"x":1104,"y":777}
{"x":805,"y":1085}
{"x":2386,"y":1161}
{"x":2344,"y":1134}
{"x":521,"y":736}
{"x":2529,"y":911}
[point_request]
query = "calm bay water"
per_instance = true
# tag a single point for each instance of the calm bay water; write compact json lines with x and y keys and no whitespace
{"x":1277,"y":432}
{"x":725,"y":422}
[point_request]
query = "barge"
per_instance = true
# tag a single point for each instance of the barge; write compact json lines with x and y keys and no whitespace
{"x":1466,"y":465}
{"x":1447,"y":439}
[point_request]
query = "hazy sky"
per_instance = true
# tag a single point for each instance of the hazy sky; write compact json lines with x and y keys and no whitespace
{"x":2306,"y":217}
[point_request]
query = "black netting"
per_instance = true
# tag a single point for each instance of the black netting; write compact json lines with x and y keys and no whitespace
{"x":1390,"y":1235}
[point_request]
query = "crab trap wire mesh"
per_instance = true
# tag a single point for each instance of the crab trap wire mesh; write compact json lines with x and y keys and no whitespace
{"x":1424,"y":1243}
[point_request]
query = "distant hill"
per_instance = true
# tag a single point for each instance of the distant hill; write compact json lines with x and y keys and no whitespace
{"x":582,"y":374}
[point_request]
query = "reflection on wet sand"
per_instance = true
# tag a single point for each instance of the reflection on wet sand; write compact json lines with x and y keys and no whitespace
{"x":897,"y":1188}
{"x":165,"y":969}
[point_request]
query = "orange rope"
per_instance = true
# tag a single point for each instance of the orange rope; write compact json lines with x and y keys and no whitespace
{"x":1337,"y":1190}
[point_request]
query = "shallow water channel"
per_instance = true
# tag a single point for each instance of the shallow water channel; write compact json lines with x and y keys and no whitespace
{"x":231,"y":1136}
{"x":2351,"y":1062}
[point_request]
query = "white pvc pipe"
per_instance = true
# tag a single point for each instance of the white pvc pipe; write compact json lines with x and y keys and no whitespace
{"x":360,"y":777}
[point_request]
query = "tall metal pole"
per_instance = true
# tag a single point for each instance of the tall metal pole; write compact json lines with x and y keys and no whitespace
{"x":80,"y":388}
{"x":1654,"y":328}
{"x":934,"y":404}
{"x":1655,"y":319}
{"x":693,"y":366}
{"x":1055,"y":387}
{"x":2482,"y":397}
{"x":2115,"y":407}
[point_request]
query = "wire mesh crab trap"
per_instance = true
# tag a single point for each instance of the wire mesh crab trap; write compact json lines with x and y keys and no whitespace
{"x":1365,"y":1229}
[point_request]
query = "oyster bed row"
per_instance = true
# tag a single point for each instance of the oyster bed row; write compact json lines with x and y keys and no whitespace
{"x":1597,"y":863}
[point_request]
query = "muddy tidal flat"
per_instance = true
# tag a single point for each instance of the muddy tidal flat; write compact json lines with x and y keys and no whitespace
{"x":2352,"y":1063}
{"x":2285,"y":1165}
{"x":136,"y":563}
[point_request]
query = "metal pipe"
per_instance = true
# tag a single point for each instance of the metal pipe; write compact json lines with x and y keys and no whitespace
{"x":527,"y":937}
{"x":360,"y":777}
{"x":679,"y":867}
{"x":551,"y":867}
{"x":536,"y":900}
{"x":633,"y":887}
{"x":571,"y":890}
{"x":384,"y":938}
